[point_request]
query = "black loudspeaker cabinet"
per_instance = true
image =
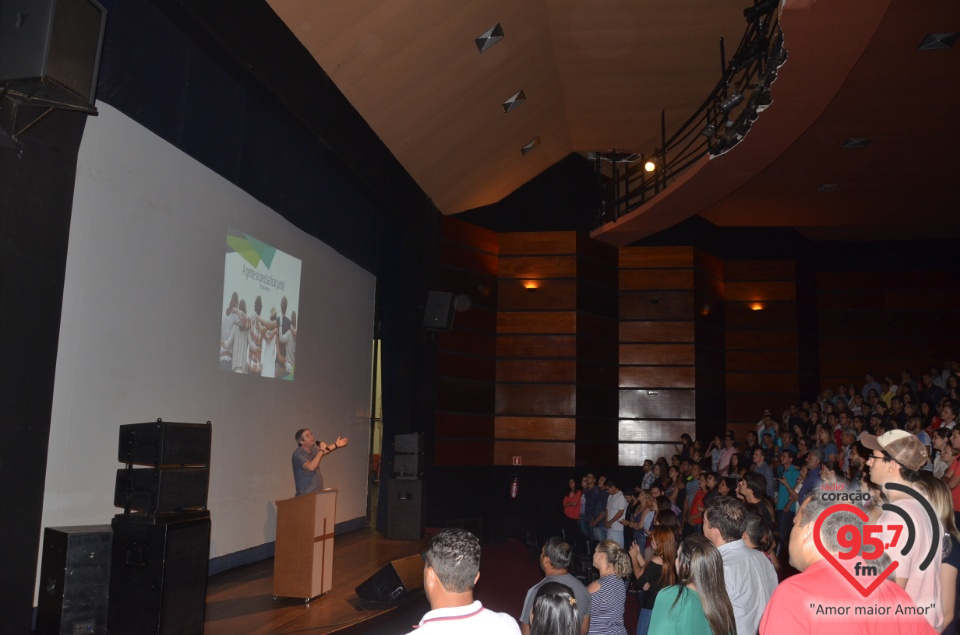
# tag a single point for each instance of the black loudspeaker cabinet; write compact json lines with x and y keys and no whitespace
{"x":394,"y":581}
{"x":405,"y":509}
{"x":157,"y":490}
{"x":74,"y":580}
{"x":158,"y":576}
{"x":50,"y":49}
{"x":165,"y":443}
{"x":438,"y":313}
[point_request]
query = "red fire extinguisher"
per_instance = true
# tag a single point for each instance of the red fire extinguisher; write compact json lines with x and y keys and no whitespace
{"x":514,"y":487}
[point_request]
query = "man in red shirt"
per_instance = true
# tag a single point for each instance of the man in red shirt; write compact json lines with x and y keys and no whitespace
{"x":821,"y":600}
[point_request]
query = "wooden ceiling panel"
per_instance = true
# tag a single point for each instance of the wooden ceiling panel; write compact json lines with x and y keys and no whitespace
{"x":596,"y":76}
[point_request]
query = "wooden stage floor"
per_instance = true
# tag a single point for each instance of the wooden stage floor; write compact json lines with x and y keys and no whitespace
{"x":241,"y":600}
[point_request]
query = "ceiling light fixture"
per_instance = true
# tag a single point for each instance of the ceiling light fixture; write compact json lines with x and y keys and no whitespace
{"x":489,"y":37}
{"x":527,"y":149}
{"x":827,"y":187}
{"x":513,"y":102}
{"x":650,"y":165}
{"x":938,"y":41}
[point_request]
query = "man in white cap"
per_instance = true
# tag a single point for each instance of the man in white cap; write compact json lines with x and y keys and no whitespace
{"x":896,"y":458}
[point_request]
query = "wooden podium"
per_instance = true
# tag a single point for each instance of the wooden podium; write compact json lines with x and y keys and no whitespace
{"x":303,"y":564}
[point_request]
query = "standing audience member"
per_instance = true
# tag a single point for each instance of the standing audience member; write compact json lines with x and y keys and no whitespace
{"x":698,"y":604}
{"x":656,"y":573}
{"x":939,"y":496}
{"x":555,"y":563}
{"x":786,"y":505}
{"x":789,"y":612}
{"x":571,"y":510}
{"x":616,"y":507}
{"x":608,"y":595}
{"x":451,"y":568}
{"x":895,"y":460}
{"x":749,"y":576}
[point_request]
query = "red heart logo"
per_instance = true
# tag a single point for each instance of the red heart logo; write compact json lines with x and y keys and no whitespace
{"x":864,"y":591}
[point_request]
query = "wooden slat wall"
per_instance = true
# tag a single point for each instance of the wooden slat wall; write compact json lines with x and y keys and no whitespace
{"x":710,"y":353}
{"x":536,"y":365}
{"x":466,"y":357}
{"x":768,"y":351}
{"x":885,"y":322}
{"x":657,"y":333}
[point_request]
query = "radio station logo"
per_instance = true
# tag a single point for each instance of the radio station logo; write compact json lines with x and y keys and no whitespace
{"x":861,"y":551}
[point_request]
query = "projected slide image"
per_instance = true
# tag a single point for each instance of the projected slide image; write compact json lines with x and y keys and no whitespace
{"x":261,"y":300}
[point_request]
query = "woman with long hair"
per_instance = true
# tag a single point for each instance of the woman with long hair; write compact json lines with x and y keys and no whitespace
{"x":555,"y":611}
{"x":656,"y":573}
{"x":669,"y":519}
{"x":736,"y":468}
{"x":942,"y":502}
{"x":608,"y":595}
{"x":698,"y":604}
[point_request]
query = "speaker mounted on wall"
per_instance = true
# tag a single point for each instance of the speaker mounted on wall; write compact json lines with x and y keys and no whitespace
{"x":50,"y":51}
{"x":438,"y":312}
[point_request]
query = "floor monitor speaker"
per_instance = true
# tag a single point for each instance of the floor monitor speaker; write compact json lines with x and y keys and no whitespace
{"x":394,"y":581}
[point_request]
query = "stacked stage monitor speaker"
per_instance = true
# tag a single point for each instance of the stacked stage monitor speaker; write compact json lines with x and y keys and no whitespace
{"x":74,"y":580}
{"x":50,"y":49}
{"x":394,"y":581}
{"x":405,"y":509}
{"x":438,"y":313}
{"x":161,"y":543}
{"x":158,"y":577}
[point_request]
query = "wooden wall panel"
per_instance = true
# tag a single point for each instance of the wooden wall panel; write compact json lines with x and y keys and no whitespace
{"x":657,"y":354}
{"x":656,"y":305}
{"x":763,"y":382}
{"x":479,"y":368}
{"x":748,"y":407}
{"x":542,"y":322}
{"x":536,"y":370}
{"x":656,"y":257}
{"x":544,"y":454}
{"x":456,"y":257}
{"x":559,"y":294}
{"x":472,"y":426}
{"x":653,"y":280}
{"x":754,"y":270}
{"x":646,"y":430}
{"x":539,"y":428}
{"x":762,"y":291}
{"x":657,"y":377}
{"x":600,"y":373}
{"x":467,"y":234}
{"x":634,"y":454}
{"x":656,"y":332}
{"x":556,"y":346}
{"x":657,"y":404}
{"x":541,"y":400}
{"x":527,"y":243}
{"x":761,"y":360}
{"x":467,"y":342}
{"x":465,"y":396}
{"x":537,"y":267}
{"x":762,"y":340}
{"x":456,"y":452}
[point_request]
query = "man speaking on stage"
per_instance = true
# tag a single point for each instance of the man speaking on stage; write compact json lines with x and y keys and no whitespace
{"x":306,"y":460}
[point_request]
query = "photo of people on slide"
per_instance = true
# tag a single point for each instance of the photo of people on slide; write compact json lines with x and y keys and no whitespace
{"x":256,"y":339}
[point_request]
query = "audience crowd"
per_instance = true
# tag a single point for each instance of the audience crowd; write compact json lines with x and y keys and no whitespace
{"x":841,"y":512}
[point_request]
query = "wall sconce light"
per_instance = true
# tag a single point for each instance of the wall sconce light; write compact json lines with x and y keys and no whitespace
{"x":531,"y":285}
{"x":756,"y":306}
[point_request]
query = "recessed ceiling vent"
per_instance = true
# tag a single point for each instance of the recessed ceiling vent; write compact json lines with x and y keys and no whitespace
{"x":856,"y":142}
{"x":527,"y":149}
{"x":513,"y":102}
{"x":489,"y":37}
{"x":938,"y":41}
